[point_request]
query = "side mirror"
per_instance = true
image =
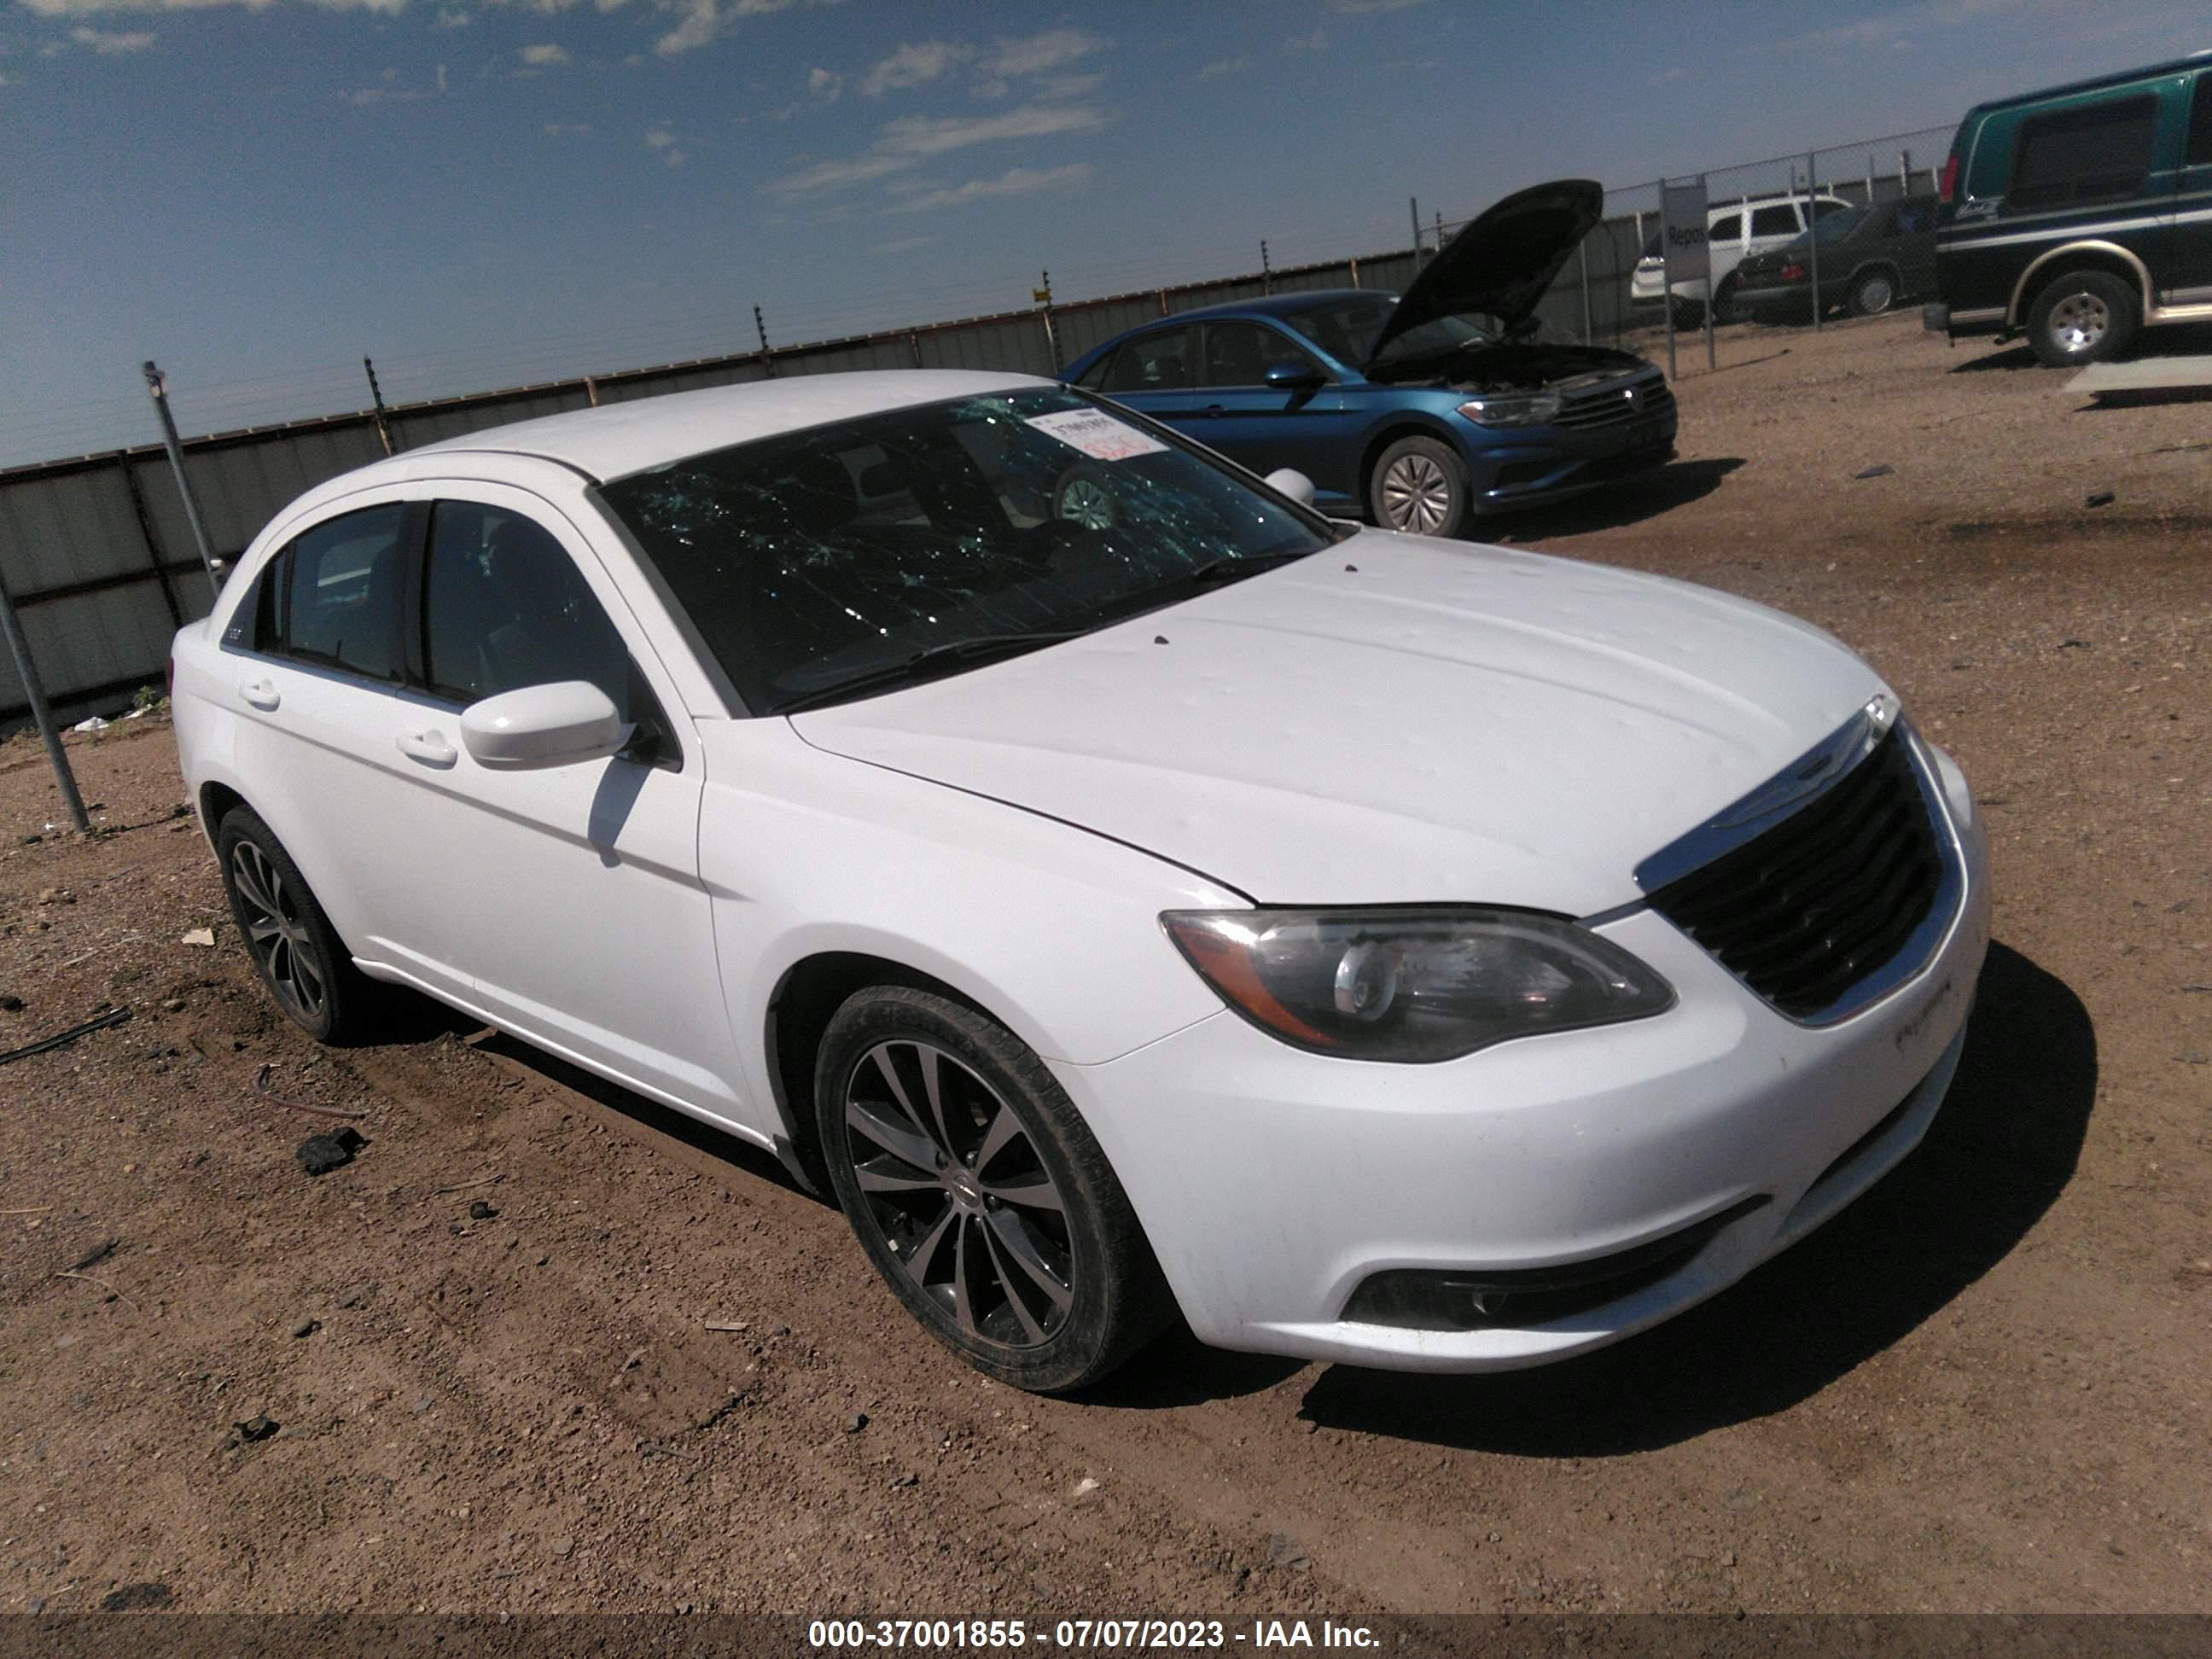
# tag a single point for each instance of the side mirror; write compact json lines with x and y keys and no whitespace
{"x":1289,"y":481}
{"x":1294,"y":377}
{"x":563,"y":724}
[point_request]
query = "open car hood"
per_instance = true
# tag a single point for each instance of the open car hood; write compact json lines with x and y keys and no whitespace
{"x":1502,"y":262}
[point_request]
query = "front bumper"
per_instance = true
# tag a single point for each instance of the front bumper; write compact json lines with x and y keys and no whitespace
{"x":1515,"y":469}
{"x":1273,"y":1183}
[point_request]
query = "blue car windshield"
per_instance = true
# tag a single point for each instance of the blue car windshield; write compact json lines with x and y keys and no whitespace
{"x":1347,"y":329}
{"x":908,"y":544}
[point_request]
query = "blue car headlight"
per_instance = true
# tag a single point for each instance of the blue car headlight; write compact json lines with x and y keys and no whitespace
{"x":1520,"y":408}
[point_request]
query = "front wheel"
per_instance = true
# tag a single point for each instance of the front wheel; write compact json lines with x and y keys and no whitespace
{"x":979,"y":1195}
{"x":2083,"y":317}
{"x":1419,"y":485}
{"x":1727,"y":307}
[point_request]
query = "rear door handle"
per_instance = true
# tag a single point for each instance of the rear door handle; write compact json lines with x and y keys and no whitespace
{"x":261,"y":693}
{"x":428,"y":747}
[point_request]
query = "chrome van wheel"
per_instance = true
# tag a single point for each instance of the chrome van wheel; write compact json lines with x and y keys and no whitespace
{"x":2083,"y":317}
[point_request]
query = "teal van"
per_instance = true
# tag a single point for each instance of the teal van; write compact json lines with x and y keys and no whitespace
{"x":2078,"y":216}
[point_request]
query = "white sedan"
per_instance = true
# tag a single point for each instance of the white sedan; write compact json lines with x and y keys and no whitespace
{"x":1129,"y":891}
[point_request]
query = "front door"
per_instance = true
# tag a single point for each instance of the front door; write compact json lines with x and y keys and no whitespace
{"x":1263,"y":427}
{"x":577,"y":908}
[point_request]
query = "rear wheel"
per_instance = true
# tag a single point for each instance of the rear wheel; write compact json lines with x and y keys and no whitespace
{"x":301,"y":958}
{"x":1873,"y":293}
{"x":979,"y":1194}
{"x":2083,"y":317}
{"x":1421,"y":485}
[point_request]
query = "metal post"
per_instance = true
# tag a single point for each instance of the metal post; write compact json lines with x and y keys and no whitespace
{"x":1582,"y":253}
{"x":1355,"y":271}
{"x":1266,"y":272}
{"x":1904,"y":171}
{"x":376,"y":396}
{"x":767,"y":363}
{"x":35,"y":695}
{"x":592,"y":390}
{"x":1051,"y":335}
{"x":160,"y":394}
{"x":1413,"y":205}
{"x":914,"y":346}
{"x":1440,"y":232}
{"x":1870,"y":178}
{"x":1812,"y":236}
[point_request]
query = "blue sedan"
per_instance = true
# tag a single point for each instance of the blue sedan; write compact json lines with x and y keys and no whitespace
{"x":1421,"y":410}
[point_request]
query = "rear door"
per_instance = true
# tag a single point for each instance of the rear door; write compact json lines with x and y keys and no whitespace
{"x":317,"y":666}
{"x":1313,"y":428}
{"x":1157,"y":373}
{"x":573,"y":890}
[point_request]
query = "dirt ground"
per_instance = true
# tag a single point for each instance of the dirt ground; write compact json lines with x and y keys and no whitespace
{"x":1986,"y":1385}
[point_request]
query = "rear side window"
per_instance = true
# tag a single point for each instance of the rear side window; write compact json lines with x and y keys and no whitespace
{"x":1157,"y":362}
{"x":2200,"y":123}
{"x":1774,"y":222}
{"x":504,"y":606}
{"x":2089,"y":155}
{"x":1729,"y":229}
{"x":333,"y":596}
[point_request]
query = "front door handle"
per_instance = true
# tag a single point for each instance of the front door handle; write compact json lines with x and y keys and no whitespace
{"x":1213,"y":409}
{"x":430,"y":747}
{"x":261,"y":693}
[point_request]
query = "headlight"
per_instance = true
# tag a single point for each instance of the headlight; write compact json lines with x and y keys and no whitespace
{"x":1412,"y":984}
{"x":1532,"y":408}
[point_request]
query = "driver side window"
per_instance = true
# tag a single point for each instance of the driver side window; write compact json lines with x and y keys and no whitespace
{"x":505,"y":607}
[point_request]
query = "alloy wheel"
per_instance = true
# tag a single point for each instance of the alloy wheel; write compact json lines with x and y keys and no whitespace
{"x":1876,"y":295}
{"x":957,"y":1191}
{"x":277,"y":933}
{"x":2078,"y":322}
{"x":1416,"y":495}
{"x":1085,"y":502}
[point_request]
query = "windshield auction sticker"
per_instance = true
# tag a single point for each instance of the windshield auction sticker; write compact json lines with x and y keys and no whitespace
{"x":1101,"y":437}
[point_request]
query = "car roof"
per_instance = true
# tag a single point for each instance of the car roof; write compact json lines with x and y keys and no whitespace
{"x":617,"y":439}
{"x":1274,"y":305}
{"x":2195,"y":60}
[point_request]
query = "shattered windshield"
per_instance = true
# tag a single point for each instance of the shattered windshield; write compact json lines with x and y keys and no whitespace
{"x":842,"y":555}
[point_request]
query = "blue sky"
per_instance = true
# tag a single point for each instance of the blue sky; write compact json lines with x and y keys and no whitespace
{"x":259,"y":192}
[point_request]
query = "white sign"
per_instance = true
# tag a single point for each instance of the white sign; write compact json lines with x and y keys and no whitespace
{"x":1682,"y":233}
{"x":1100,"y":436}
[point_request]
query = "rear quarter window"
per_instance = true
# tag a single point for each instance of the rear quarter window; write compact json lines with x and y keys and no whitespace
{"x":2092,"y":153}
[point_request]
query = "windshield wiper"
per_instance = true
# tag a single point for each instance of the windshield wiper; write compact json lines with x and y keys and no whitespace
{"x":1234,"y":567}
{"x":980,"y":648}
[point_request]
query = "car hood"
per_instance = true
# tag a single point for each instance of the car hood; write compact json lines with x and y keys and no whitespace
{"x":1392,"y":720}
{"x":1502,"y":262}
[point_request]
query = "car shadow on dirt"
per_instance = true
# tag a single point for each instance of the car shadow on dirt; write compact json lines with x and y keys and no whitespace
{"x":1998,"y":1156}
{"x":1661,"y":491}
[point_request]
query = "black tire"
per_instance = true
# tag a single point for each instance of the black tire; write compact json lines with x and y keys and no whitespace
{"x":301,"y":960}
{"x":950,"y":1232}
{"x":1873,"y":292}
{"x":2083,"y":317}
{"x":1727,"y":308}
{"x":1689,"y":315}
{"x":1421,"y":485}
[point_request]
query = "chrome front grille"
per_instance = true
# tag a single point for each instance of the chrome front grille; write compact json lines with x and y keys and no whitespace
{"x":1837,"y":903}
{"x":1610,"y":405}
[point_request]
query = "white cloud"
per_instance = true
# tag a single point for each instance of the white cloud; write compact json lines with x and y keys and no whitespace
{"x":108,"y":44}
{"x":825,"y":85}
{"x":913,"y":66}
{"x":544,"y":56}
{"x":659,"y":139}
{"x":914,"y":135}
{"x":903,"y":245}
{"x":705,"y":20}
{"x":451,"y":17}
{"x":1221,"y":66}
{"x":89,"y":8}
{"x":668,"y":146}
{"x":567,"y":130}
{"x":835,"y":175}
{"x":1015,"y":181}
{"x":1040,"y":53}
{"x":1313,"y":42}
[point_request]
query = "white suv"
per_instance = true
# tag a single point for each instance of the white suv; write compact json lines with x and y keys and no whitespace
{"x":1733,"y":229}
